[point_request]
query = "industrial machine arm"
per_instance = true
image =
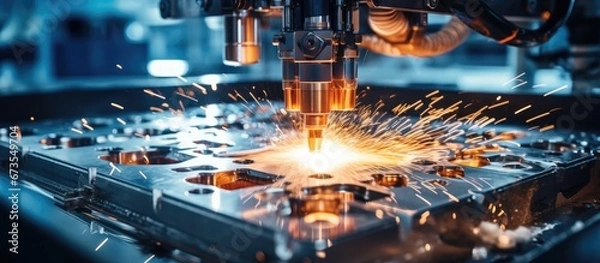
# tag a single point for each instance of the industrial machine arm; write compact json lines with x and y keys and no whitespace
{"x":319,"y":39}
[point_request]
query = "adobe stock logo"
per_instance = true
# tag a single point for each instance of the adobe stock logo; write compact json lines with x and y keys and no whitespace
{"x":58,"y":10}
{"x":579,"y":110}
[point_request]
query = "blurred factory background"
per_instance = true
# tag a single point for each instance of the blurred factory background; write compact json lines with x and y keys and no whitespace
{"x":47,"y":45}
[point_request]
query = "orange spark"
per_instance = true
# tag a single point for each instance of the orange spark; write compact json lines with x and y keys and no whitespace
{"x":118,"y":106}
{"x":154,"y":94}
{"x":556,"y":90}
{"x":522,"y":109}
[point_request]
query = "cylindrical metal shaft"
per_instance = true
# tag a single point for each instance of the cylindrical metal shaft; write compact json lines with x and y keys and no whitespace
{"x":242,"y":39}
{"x":315,"y":105}
{"x":291,"y":88}
{"x":345,"y":73}
{"x":315,"y":100}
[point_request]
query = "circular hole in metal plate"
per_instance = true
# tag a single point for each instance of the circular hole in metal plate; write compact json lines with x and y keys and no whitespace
{"x":145,"y":157}
{"x":390,"y":180}
{"x":77,"y":142}
{"x":439,"y":182}
{"x":322,"y":219}
{"x":423,"y":162}
{"x":449,"y":171}
{"x":472,"y":161}
{"x":230,"y":180}
{"x":320,"y":176}
{"x":200,"y":191}
{"x":67,"y":142}
{"x":201,"y":178}
{"x":244,"y":161}
{"x":51,"y":139}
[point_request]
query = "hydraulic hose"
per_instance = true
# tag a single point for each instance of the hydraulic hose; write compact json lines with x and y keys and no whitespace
{"x":395,"y":37}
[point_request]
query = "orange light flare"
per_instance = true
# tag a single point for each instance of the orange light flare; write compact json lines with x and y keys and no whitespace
{"x":356,"y":146}
{"x":369,"y":140}
{"x":359,"y":144}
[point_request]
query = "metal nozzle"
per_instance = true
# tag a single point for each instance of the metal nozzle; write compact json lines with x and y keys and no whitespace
{"x":315,"y":140}
{"x":242,"y":43}
{"x":314,"y":125}
{"x":318,"y":47}
{"x":315,"y":105}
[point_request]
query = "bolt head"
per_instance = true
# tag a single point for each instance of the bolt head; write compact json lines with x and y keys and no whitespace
{"x":311,"y":45}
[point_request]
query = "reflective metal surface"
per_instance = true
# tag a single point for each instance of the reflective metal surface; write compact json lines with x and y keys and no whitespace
{"x":204,"y":176}
{"x":190,"y":183}
{"x":242,"y":39}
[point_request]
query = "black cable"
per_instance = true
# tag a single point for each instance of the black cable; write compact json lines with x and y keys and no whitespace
{"x":481,"y":18}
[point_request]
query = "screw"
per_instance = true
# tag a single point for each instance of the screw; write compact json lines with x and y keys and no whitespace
{"x":432,"y":4}
{"x":311,"y":43}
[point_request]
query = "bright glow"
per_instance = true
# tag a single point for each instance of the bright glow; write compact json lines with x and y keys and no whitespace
{"x":167,"y":67}
{"x":173,"y":123}
{"x":212,"y":110}
{"x":348,"y":153}
{"x":318,"y":162}
{"x":368,"y":142}
{"x":215,"y":202}
{"x":211,"y":121}
{"x":135,"y":31}
{"x":322,"y":217}
{"x":210,"y":79}
{"x":214,"y":23}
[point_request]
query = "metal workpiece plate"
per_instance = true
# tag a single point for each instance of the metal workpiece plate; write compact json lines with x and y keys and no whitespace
{"x":192,"y":182}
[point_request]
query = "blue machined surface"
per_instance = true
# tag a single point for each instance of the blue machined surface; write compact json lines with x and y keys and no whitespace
{"x":161,"y":201}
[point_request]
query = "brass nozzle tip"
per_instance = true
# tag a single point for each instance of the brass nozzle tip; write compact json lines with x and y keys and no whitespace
{"x":315,"y":140}
{"x":314,"y":144}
